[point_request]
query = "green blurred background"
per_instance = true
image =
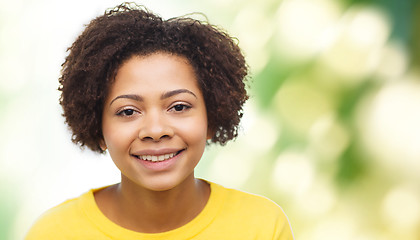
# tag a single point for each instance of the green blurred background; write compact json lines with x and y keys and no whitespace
{"x":331,"y":132}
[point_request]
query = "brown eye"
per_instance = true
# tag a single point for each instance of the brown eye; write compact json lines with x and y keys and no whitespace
{"x":180,"y":107}
{"x":126,"y":112}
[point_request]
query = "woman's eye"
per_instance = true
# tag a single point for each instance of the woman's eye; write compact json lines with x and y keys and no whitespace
{"x":180,"y":107}
{"x":126,"y":112}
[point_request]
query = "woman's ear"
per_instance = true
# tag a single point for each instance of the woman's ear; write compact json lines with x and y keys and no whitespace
{"x":102,"y":145}
{"x":210,"y":133}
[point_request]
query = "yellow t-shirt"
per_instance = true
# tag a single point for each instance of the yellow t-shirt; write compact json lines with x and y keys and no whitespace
{"x":229,"y":214}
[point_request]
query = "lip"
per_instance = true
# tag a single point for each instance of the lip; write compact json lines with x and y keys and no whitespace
{"x":159,"y":165}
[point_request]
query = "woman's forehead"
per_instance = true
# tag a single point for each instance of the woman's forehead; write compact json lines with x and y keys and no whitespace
{"x":155,"y":72}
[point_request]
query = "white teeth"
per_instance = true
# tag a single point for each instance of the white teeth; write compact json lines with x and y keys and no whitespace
{"x":157,"y":158}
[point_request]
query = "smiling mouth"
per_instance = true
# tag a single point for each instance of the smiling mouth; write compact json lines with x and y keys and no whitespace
{"x":158,"y":158}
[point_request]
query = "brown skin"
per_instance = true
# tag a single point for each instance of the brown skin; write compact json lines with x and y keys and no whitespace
{"x":153,"y":212}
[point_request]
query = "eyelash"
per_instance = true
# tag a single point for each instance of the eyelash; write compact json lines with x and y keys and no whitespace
{"x":184,"y":107}
{"x":128,"y":112}
{"x":124,"y":112}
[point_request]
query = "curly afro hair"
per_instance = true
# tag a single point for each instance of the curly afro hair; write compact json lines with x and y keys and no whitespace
{"x":130,"y":30}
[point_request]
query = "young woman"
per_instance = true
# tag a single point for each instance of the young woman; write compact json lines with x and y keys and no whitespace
{"x":152,"y":93}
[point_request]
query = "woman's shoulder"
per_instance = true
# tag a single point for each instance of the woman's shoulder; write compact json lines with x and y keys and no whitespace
{"x":235,"y":196}
{"x":256,"y":214}
{"x":240,"y":201}
{"x":59,"y":219}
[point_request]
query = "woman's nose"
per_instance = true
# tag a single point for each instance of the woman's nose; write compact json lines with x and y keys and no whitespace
{"x":154,"y":127}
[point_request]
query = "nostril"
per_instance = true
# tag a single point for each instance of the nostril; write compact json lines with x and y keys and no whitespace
{"x":150,"y":138}
{"x":162,"y":137}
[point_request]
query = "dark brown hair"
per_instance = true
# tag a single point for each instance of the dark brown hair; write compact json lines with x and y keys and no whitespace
{"x":130,"y":30}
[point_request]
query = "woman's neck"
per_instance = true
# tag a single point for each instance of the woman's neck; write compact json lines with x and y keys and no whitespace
{"x":142,"y":210}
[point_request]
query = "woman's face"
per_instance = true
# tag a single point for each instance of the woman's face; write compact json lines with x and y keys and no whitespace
{"x":155,"y":122}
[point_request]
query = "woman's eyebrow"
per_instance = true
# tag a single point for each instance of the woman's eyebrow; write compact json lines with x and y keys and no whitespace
{"x":129,"y":96}
{"x":175,"y":92}
{"x":164,"y":96}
